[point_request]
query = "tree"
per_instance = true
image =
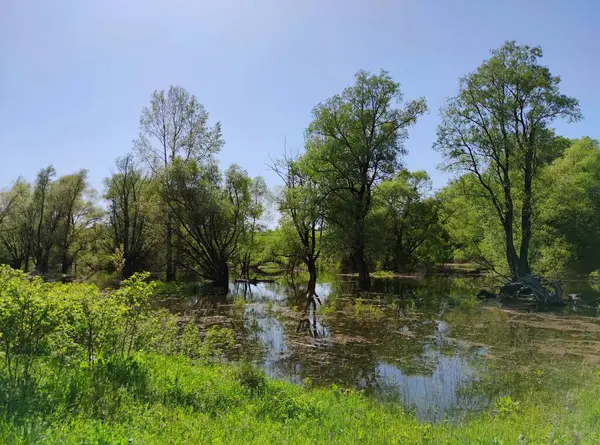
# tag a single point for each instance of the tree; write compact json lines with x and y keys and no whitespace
{"x":408,"y":218}
{"x":175,"y":125}
{"x":78,"y":213}
{"x":44,"y":217}
{"x":353,"y":143}
{"x":301,"y":202}
{"x":129,"y":198}
{"x":249,"y":238}
{"x":569,"y":211}
{"x":497,"y":129}
{"x":471,"y":222}
{"x":14,"y":235}
{"x":212,"y":213}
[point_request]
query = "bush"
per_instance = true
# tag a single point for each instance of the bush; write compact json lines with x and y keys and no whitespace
{"x":251,"y":378}
{"x":190,"y":343}
{"x":218,"y":341}
{"x":27,"y":320}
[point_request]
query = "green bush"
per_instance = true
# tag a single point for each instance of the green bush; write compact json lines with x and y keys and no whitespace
{"x":251,"y":378}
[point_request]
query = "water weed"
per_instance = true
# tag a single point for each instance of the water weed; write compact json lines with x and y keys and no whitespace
{"x":366,"y":311}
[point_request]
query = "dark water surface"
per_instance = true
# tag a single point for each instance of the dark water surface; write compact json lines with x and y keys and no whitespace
{"x":424,"y":342}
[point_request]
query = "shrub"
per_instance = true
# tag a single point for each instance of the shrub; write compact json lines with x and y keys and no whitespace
{"x":190,"y":343}
{"x":27,"y":320}
{"x":218,"y":341}
{"x":251,"y":378}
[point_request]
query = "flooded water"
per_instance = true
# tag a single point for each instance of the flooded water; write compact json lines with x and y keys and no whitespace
{"x":423,"y":342}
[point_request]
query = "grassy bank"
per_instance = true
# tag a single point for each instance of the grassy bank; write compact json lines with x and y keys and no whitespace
{"x":154,"y":399}
{"x":80,"y":366}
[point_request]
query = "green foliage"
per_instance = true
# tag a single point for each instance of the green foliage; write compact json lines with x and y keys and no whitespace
{"x":27,"y":320}
{"x":497,"y":131}
{"x":212,"y":212}
{"x":407,"y":223}
{"x":132,"y":217}
{"x":465,"y":302}
{"x":251,"y":242}
{"x":153,"y":393}
{"x":564,"y":242}
{"x":49,"y":223}
{"x":506,"y":407}
{"x":471,"y":224}
{"x":191,"y":343}
{"x":353,"y":143}
{"x":251,"y":378}
{"x":569,"y":210}
{"x":328,"y":307}
{"x":218,"y":340}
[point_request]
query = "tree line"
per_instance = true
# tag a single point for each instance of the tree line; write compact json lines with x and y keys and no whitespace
{"x":523,"y":199}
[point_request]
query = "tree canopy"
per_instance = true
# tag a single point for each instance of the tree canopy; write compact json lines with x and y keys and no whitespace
{"x":524,"y":198}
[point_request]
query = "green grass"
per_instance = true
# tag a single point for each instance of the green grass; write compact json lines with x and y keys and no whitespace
{"x":80,"y":366}
{"x":153,"y":399}
{"x":390,"y":274}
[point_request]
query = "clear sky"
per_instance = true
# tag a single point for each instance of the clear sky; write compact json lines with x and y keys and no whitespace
{"x":74,"y":75}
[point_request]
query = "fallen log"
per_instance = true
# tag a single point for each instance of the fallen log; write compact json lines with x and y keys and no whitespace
{"x":532,"y":287}
{"x":253,"y":281}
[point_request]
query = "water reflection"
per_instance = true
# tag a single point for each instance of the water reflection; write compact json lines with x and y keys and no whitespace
{"x":423,"y":349}
{"x":310,"y":325}
{"x":433,"y":396}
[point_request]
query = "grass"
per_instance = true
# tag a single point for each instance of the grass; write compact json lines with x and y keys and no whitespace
{"x":391,"y":274}
{"x":153,"y":399}
{"x":83,"y":367}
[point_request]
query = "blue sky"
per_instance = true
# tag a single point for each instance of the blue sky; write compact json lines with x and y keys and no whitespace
{"x":74,"y":75}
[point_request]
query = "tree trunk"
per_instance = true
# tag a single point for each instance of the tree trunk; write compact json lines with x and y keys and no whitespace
{"x":347,"y":264}
{"x":178,"y":250}
{"x":360,"y":266}
{"x":311,"y":289}
{"x":511,"y":256}
{"x":245,"y":266}
{"x":65,"y":263}
{"x":526,"y":211}
{"x":220,"y":276}
{"x":42,"y":264}
{"x":128,"y":268}
{"x":169,"y":260}
{"x":312,"y":280}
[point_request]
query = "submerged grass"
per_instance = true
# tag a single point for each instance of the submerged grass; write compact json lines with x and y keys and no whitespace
{"x":154,"y":399}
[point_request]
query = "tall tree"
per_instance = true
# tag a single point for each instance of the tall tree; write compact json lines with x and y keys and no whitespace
{"x":253,"y":226}
{"x":78,"y":212}
{"x":301,"y":202}
{"x":212,"y":212}
{"x":45,"y":216}
{"x":497,"y":129}
{"x":175,"y":125}
{"x":353,"y":143}
{"x":129,"y":198}
{"x":15,"y":237}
